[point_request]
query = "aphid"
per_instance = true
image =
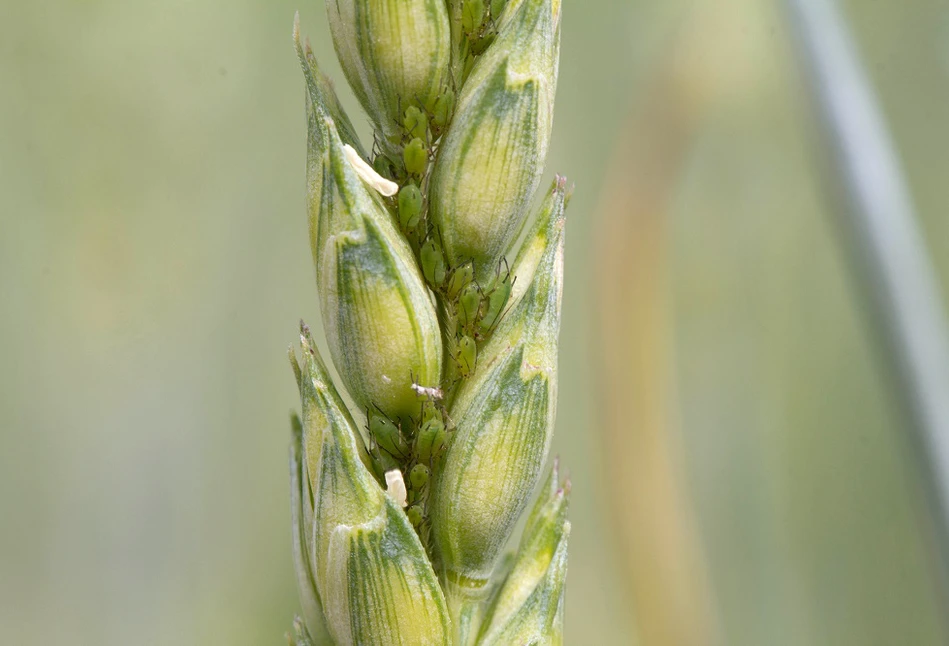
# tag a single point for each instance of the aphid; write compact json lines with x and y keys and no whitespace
{"x":467,"y":355}
{"x":469,"y":304}
{"x":444,"y":105}
{"x":415,"y":157}
{"x":415,"y":122}
{"x":481,"y":44}
{"x":381,"y":463}
{"x":472,"y":15}
{"x":415,"y":515}
{"x":388,"y":436}
{"x":377,"y":469}
{"x":497,"y":299}
{"x":418,"y":476}
{"x":431,"y":411}
{"x":433,"y":262}
{"x":460,"y":277}
{"x":410,"y":206}
{"x":386,"y":165}
{"x":430,"y":440}
{"x":383,"y":166}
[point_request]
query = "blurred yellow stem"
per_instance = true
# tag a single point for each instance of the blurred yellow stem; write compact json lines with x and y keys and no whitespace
{"x":651,"y":506}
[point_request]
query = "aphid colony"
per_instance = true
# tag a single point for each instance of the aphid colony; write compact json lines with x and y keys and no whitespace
{"x":469,"y":309}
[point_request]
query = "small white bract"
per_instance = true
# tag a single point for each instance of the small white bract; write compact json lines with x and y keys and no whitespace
{"x":395,"y":487}
{"x":368,"y":174}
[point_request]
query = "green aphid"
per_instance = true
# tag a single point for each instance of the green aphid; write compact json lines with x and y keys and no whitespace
{"x":430,"y":411}
{"x":415,"y":515}
{"x":433,"y":262}
{"x":467,"y":355}
{"x":415,"y":157}
{"x":388,"y":436}
{"x":418,"y":476}
{"x":377,"y":469}
{"x":430,"y":440}
{"x":444,"y":105}
{"x":383,"y":166}
{"x":472,"y":15}
{"x":415,"y":122}
{"x":469,"y":304}
{"x":479,"y":46}
{"x":410,"y":206}
{"x":459,"y":279}
{"x":382,"y":462}
{"x":497,"y":6}
{"x":496,"y":302}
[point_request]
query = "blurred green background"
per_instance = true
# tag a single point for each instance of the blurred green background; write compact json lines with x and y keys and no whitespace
{"x":154,"y":264}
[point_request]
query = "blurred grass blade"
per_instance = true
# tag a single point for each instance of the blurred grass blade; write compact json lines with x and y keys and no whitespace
{"x":886,"y":251}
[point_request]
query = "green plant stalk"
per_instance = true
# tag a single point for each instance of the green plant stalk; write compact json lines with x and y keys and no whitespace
{"x":442,"y":325}
{"x":887,"y":255}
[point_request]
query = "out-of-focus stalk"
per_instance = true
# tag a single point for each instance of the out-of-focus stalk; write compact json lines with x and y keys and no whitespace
{"x":653,"y":511}
{"x":885,"y":248}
